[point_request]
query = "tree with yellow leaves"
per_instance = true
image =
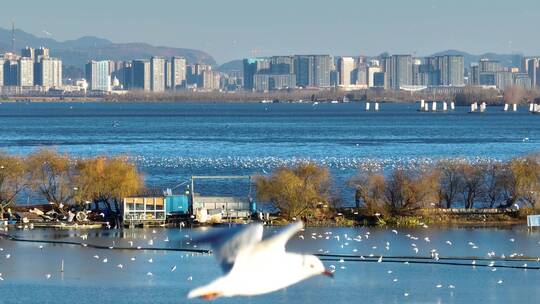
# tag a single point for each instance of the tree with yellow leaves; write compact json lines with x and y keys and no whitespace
{"x":522,"y":181}
{"x":12,"y":180}
{"x":107,"y":181}
{"x":51,"y":174}
{"x":297,"y":192}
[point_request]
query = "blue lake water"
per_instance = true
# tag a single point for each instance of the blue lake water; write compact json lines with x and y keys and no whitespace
{"x":87,"y":279}
{"x":172,"y":141}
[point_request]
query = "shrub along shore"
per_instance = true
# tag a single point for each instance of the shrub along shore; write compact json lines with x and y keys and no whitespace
{"x":451,"y":191}
{"x":67,"y":183}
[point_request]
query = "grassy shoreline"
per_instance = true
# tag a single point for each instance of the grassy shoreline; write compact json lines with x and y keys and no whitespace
{"x":472,"y":219}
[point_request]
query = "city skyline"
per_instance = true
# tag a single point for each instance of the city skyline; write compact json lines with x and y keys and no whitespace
{"x":235,"y":29}
{"x":35,"y":71}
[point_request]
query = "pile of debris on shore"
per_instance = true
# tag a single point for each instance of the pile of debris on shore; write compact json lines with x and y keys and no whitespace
{"x":54,"y":216}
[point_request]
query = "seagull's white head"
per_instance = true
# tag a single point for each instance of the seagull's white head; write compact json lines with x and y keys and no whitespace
{"x":312,"y":266}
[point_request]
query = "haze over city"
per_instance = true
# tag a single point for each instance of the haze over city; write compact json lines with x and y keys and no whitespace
{"x":237,"y":29}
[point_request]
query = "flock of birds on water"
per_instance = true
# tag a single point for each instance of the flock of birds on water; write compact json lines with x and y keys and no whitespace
{"x":350,"y":244}
{"x":270,"y":162}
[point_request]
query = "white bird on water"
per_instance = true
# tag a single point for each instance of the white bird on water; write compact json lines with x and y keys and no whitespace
{"x":254,"y":266}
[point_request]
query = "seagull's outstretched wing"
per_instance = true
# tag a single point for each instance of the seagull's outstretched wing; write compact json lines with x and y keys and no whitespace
{"x":226,"y":243}
{"x":278,"y":241}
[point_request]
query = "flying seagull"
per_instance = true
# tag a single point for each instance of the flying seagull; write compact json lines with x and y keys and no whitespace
{"x":253,"y":266}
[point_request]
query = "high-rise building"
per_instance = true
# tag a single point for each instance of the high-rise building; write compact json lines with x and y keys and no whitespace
{"x":401,"y":71}
{"x":28,"y":52}
{"x":522,"y":80}
{"x":254,"y":66}
{"x":525,"y":61}
{"x":360,"y":75}
{"x":371,"y":70}
{"x":487,"y":65}
{"x":98,"y":75}
{"x":42,"y":52}
{"x":11,"y":71}
{"x":270,"y":82}
{"x":120,"y":70}
{"x":385,"y":62}
{"x":210,"y":80}
{"x":504,"y":80}
{"x":126,"y":75}
{"x":346,"y":66}
{"x":451,"y":70}
{"x":487,"y":79}
{"x":323,"y":67}
{"x":420,"y":72}
{"x":157,"y":79}
{"x":178,"y":72}
{"x":447,"y":70}
{"x":194,"y":74}
{"x":313,"y":70}
{"x":379,"y":79}
{"x":48,"y":72}
{"x":25,"y":72}
{"x":533,"y":69}
{"x":2,"y":61}
{"x":304,"y":69}
{"x":168,"y":74}
{"x":282,"y":65}
{"x":141,"y":74}
{"x":474,"y":75}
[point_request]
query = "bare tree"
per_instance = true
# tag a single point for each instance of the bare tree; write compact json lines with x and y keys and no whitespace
{"x":514,"y":94}
{"x":473,"y":177}
{"x":450,"y":181}
{"x":494,"y":184}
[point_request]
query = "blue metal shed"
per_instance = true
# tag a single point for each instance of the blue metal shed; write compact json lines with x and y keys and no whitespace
{"x":177,"y":204}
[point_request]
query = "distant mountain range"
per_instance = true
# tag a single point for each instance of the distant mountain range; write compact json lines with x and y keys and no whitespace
{"x":77,"y":52}
{"x":505,"y":59}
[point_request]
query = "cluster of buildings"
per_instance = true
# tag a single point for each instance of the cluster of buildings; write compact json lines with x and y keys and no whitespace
{"x":33,"y":70}
{"x":156,"y":74}
{"x":390,"y":72}
{"x":492,"y":73}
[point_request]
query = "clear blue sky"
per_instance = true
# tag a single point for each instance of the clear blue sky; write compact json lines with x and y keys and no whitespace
{"x":231,"y":29}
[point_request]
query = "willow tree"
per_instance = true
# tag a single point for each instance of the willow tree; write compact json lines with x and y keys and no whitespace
{"x":494,"y":185}
{"x":370,"y":186}
{"x":451,"y":183}
{"x":12,"y":180}
{"x":52,"y":175}
{"x":107,"y":180}
{"x":296,"y":192}
{"x":408,"y":190}
{"x":522,"y":182}
{"x":473,"y":177}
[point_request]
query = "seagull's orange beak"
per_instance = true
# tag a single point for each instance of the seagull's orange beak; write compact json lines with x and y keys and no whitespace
{"x":210,"y":296}
{"x":328,"y":273}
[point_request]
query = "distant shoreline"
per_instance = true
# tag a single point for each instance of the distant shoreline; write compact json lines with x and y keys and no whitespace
{"x":468,"y":96}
